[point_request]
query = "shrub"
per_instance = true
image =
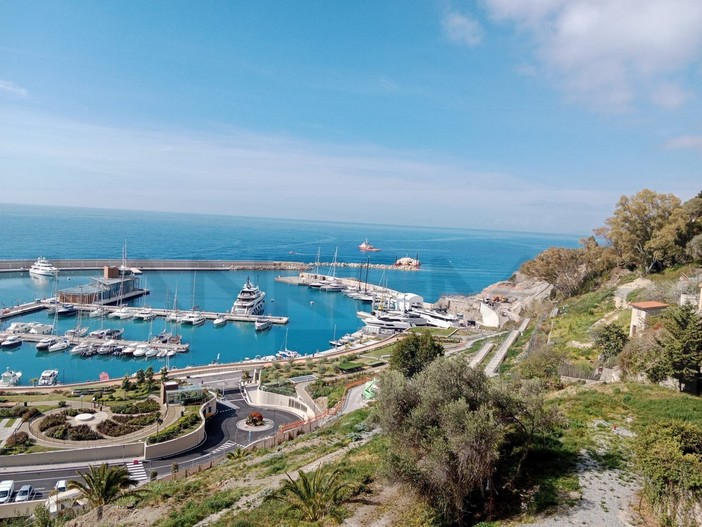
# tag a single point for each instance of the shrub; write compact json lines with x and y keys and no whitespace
{"x":51,"y":421}
{"x":113,"y":429}
{"x":184,"y":423}
{"x":137,"y":420}
{"x":19,"y":439}
{"x":139,"y":407}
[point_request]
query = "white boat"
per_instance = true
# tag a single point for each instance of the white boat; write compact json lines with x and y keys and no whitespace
{"x":37,"y":328}
{"x":44,"y":343}
{"x":438,"y":318}
{"x":170,"y":353}
{"x":151,"y":352}
{"x":219,"y":322}
{"x":19,"y":327}
{"x":122,"y":313}
{"x":285,"y":353}
{"x":82,"y":348}
{"x":194,"y":318}
{"x":48,"y":378}
{"x":108,"y":347}
{"x":161,"y":354}
{"x":42,"y":267}
{"x":250,"y":300}
{"x":263,"y":324}
{"x":10,"y":378}
{"x":11,"y":342}
{"x":98,"y":312}
{"x":140,"y":351}
{"x":59,"y":345}
{"x":387,"y":321}
{"x":145,"y":314}
{"x":78,"y":331}
{"x":98,"y":334}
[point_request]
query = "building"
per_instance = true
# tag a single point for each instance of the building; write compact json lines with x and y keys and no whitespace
{"x":640,"y":311}
{"x":114,"y":286}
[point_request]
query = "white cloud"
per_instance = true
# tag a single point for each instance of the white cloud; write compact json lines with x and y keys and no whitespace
{"x":610,"y":53}
{"x":12,"y":89}
{"x":670,"y":96}
{"x":693,"y":142}
{"x":462,"y":29}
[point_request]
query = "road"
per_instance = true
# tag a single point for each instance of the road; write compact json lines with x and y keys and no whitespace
{"x":222,"y":437}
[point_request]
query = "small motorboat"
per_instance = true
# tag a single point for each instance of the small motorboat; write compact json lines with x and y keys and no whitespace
{"x":48,"y":377}
{"x":151,"y":352}
{"x":60,"y":345}
{"x":66,"y":310}
{"x":11,"y":342}
{"x":219,"y":322}
{"x":262,"y":324}
{"x":98,"y":312}
{"x":81,"y":348}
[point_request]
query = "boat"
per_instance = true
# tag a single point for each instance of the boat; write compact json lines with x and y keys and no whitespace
{"x":44,"y":343}
{"x":249,"y":301}
{"x":10,"y":378}
{"x":11,"y":342}
{"x":98,"y":312}
{"x":78,"y":331}
{"x":37,"y":328}
{"x":42,"y":267}
{"x":194,"y":318}
{"x":262,"y":324}
{"x":82,"y":349}
{"x":107,"y":348}
{"x":367,"y":247}
{"x":66,"y":310}
{"x":151,"y":352}
{"x":48,"y":378}
{"x":140,"y":350}
{"x":98,"y":334}
{"x":114,"y":333}
{"x":59,"y":345}
{"x":122,"y":313}
{"x":219,"y":322}
{"x":170,"y":353}
{"x":145,"y":314}
{"x":285,"y":353}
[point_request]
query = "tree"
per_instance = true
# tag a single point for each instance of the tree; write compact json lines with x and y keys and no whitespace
{"x":458,"y":439}
{"x":42,"y":517}
{"x":609,"y":340}
{"x":414,"y":352}
{"x":314,"y":494}
{"x":149,"y":378}
{"x":643,"y":354}
{"x":635,"y":229}
{"x":126,"y":383}
{"x":164,"y":374}
{"x":563,"y":268}
{"x":682,"y":345}
{"x":103,"y":484}
{"x":140,"y":377}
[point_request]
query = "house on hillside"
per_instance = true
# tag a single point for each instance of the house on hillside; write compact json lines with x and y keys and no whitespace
{"x":639,"y":312}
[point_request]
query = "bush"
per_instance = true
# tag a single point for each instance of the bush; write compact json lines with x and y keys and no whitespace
{"x":50,"y":421}
{"x":137,"y":420}
{"x":184,"y":423}
{"x":19,"y":439}
{"x":140,"y":407}
{"x":113,"y":429}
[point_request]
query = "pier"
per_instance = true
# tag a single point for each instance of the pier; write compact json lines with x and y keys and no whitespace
{"x":13,"y":266}
{"x":179,"y":347}
{"x":40,"y":305}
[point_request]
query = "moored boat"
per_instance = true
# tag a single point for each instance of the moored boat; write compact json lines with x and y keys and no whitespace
{"x":262,"y":324}
{"x":48,"y":377}
{"x":59,"y":345}
{"x":249,"y":301}
{"x":10,"y":378}
{"x":219,"y":322}
{"x":42,"y":267}
{"x":367,"y":247}
{"x":44,"y":343}
{"x":11,"y":342}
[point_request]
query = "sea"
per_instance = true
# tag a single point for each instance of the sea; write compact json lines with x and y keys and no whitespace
{"x":453,"y":261}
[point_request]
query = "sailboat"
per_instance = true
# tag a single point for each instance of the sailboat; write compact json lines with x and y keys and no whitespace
{"x":316,"y":284}
{"x":79,"y":330}
{"x":333,"y":284}
{"x":285,"y":353}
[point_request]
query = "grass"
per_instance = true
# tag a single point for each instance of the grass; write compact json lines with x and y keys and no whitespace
{"x":10,"y":422}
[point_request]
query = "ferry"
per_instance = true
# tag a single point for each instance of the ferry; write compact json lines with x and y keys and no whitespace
{"x":367,"y":247}
{"x":42,"y":267}
{"x":250,"y":301}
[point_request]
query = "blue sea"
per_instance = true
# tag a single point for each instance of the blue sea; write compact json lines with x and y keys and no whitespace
{"x":454,"y":261}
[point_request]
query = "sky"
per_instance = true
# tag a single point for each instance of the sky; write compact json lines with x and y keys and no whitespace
{"x":489,"y":114}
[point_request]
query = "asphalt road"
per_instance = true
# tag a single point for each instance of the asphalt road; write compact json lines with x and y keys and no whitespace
{"x":222,"y":436}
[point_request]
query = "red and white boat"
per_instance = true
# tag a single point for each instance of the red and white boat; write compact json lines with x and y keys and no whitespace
{"x":368,"y":248}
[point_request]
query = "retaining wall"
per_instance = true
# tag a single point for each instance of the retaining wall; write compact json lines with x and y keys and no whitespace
{"x":97,"y":454}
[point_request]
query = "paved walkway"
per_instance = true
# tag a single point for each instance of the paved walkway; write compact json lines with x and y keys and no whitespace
{"x":6,"y":431}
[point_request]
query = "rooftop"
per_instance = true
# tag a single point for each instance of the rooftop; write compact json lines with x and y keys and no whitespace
{"x":650,"y":304}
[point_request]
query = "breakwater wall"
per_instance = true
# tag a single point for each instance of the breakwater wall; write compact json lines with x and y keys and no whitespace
{"x":160,"y":265}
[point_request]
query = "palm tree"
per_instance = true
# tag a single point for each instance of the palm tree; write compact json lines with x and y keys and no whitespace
{"x":314,"y":494}
{"x":102,"y":484}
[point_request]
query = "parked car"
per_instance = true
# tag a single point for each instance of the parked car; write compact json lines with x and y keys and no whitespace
{"x":61,"y":485}
{"x":7,"y":487}
{"x":25,"y":493}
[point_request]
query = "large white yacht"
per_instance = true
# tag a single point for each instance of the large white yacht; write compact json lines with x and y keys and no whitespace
{"x":42,"y":267}
{"x":251,"y":300}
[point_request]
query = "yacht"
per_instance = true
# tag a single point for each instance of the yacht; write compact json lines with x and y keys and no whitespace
{"x":219,"y":322}
{"x":145,"y":314}
{"x":98,"y":312}
{"x":439,"y":318}
{"x":367,"y":247}
{"x":394,"y":322}
{"x":83,"y":348}
{"x":151,"y":352}
{"x":66,"y":310}
{"x":263,"y":324}
{"x":122,"y":313}
{"x":37,"y":328}
{"x":114,"y":333}
{"x":78,"y":331}
{"x":194,"y":318}
{"x":11,"y":342}
{"x":98,"y":334}
{"x":59,"y":345}
{"x":250,"y":301}
{"x":48,"y":378}
{"x":44,"y":343}
{"x":107,"y":348}
{"x":10,"y":378}
{"x":42,"y":267}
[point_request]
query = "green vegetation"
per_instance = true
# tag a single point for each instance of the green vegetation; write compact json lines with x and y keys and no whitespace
{"x":415,"y":352}
{"x":185,"y":424}
{"x":139,"y":407}
{"x":332,"y":390}
{"x":102,"y":484}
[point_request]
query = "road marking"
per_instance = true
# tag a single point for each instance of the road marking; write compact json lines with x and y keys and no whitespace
{"x":225,"y":446}
{"x":137,"y":471}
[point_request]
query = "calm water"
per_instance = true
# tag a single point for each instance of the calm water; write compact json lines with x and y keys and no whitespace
{"x":453,"y":261}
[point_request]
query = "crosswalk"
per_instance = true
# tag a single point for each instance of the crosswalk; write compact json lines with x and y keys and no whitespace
{"x":225,"y":446}
{"x":137,"y":471}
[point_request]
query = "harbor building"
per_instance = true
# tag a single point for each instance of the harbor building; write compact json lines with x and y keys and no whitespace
{"x":114,"y":286}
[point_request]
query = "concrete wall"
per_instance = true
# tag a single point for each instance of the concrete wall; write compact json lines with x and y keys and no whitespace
{"x":292,"y":404}
{"x":97,"y":454}
{"x":16,"y":510}
{"x":182,"y":443}
{"x":490,"y":317}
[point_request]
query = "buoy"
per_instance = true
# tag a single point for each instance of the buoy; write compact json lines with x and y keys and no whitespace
{"x":311,"y":302}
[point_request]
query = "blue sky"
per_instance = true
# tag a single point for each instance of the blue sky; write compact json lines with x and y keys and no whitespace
{"x":491,"y":114}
